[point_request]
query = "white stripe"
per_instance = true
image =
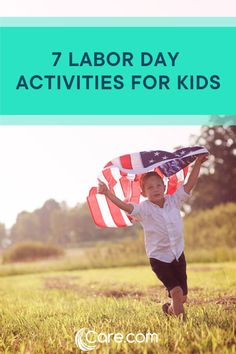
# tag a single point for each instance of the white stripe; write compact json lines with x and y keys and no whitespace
{"x":196,"y":152}
{"x":118,"y":187}
{"x":187,"y":177}
{"x":103,"y":206}
{"x":115,"y":172}
{"x":126,"y":219}
{"x":166,"y":183}
{"x":136,"y":160}
{"x":116,"y":162}
{"x":102,"y":178}
{"x":180,"y":176}
{"x":119,"y":193}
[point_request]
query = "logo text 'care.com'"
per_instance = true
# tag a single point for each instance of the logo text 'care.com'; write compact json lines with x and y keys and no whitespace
{"x":87,"y":339}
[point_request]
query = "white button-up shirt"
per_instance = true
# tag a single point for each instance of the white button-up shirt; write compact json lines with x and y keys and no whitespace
{"x":163,"y":227}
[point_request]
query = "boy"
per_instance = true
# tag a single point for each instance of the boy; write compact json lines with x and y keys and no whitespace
{"x":160,"y":217}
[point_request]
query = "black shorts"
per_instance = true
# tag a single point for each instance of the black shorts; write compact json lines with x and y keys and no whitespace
{"x":171,"y":274}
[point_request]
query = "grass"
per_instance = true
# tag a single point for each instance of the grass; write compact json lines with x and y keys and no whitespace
{"x":40,"y":313}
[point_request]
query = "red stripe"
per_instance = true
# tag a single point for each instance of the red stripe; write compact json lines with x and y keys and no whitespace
{"x":158,"y":171}
{"x":116,"y":214}
{"x":172,"y":184}
{"x":96,"y":212}
{"x":185,"y":169}
{"x":123,"y":174}
{"x":126,"y":162}
{"x":135,"y":197}
{"x":108,"y":164}
{"x":125,"y":185}
{"x":94,"y":208}
{"x":109,"y":178}
{"x":131,"y":190}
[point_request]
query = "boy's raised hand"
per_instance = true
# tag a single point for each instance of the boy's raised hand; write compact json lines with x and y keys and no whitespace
{"x":102,"y":187}
{"x":202,"y":158}
{"x":195,"y":172}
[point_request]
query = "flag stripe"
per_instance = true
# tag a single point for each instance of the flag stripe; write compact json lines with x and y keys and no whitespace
{"x":95,"y":208}
{"x":126,"y":162}
{"x":115,"y":214}
{"x":112,"y":176}
{"x":136,"y":161}
{"x":172,"y":184}
{"x":102,"y":202}
{"x":109,"y":177}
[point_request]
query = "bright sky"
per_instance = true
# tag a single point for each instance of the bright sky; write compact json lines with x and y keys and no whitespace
{"x":62,"y":162}
{"x":149,"y":8}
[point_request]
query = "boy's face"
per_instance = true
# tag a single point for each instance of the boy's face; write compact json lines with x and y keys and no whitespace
{"x":154,"y":189}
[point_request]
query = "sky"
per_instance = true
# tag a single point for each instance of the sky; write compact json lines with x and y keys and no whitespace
{"x":149,"y":8}
{"x":63,"y":162}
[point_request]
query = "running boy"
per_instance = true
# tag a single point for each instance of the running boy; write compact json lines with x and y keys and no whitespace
{"x":160,"y":218}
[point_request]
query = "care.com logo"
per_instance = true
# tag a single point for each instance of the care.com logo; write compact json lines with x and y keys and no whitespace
{"x":87,"y":339}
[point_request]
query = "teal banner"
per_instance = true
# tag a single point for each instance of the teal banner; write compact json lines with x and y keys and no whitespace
{"x":118,"y":70}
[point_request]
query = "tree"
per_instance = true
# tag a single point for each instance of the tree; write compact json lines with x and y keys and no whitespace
{"x":36,"y":225}
{"x":26,"y":227}
{"x":217,"y":183}
{"x":3,"y":234}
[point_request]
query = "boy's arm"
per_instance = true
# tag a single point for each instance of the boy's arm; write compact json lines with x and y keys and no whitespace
{"x":195,"y":173}
{"x":102,"y":189}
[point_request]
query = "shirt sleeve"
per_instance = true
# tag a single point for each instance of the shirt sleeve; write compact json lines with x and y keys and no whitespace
{"x":180,"y":197}
{"x":137,"y":212}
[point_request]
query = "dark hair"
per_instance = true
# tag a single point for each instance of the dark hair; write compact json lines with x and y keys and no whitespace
{"x":147,"y":175}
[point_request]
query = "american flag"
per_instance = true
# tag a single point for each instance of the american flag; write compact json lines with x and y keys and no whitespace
{"x":122,"y":176}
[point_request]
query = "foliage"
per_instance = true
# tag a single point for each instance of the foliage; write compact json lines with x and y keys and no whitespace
{"x":210,"y":236}
{"x":211,"y":228}
{"x":217,"y":183}
{"x":59,"y":224}
{"x":3,"y":234}
{"x":31,"y":251}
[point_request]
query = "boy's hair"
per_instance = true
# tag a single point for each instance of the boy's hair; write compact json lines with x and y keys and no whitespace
{"x":147,"y":175}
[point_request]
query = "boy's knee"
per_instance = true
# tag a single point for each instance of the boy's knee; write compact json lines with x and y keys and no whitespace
{"x":177,"y":294}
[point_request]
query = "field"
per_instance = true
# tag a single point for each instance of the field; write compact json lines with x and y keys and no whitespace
{"x":41,"y":312}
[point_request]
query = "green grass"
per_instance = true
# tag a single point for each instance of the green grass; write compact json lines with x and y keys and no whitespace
{"x":39,"y":313}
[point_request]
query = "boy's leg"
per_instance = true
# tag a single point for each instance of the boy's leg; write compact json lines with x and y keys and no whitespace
{"x":179,"y":269}
{"x":178,"y":299}
{"x":174,"y":280}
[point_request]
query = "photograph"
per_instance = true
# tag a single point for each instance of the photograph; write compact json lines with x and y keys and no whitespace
{"x":118,"y":239}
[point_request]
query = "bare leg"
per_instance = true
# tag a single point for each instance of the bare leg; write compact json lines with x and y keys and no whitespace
{"x":178,"y":299}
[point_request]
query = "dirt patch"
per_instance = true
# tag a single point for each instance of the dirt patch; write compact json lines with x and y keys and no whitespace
{"x":223,"y":300}
{"x":61,"y":283}
{"x":120,"y":293}
{"x":196,"y":289}
{"x":92,"y":289}
{"x":226,"y":300}
{"x":150,"y":294}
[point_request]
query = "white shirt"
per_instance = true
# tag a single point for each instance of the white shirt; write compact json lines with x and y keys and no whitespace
{"x":163,"y":227}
